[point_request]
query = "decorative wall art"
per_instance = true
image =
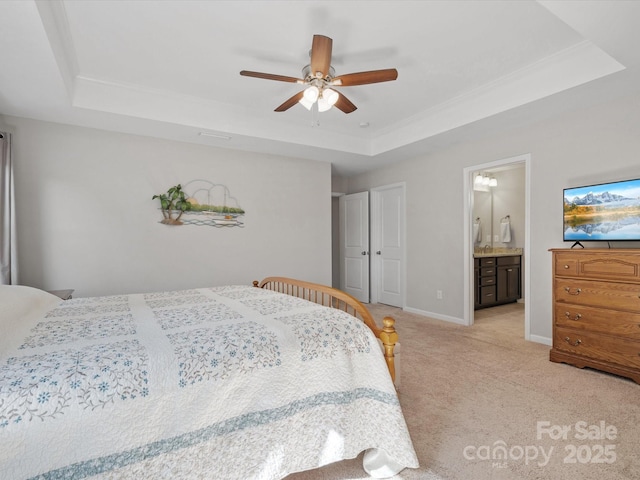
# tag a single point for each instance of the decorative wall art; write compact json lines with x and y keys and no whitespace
{"x":200,"y":202}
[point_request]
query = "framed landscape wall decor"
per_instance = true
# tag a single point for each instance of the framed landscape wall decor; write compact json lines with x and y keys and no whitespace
{"x":200,"y":202}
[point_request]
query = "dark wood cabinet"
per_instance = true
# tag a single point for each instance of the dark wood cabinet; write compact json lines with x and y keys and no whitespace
{"x":497,"y":280}
{"x":508,"y":279}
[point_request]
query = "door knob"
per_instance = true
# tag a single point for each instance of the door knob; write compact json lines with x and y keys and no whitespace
{"x":364,"y":252}
{"x":378,"y":252}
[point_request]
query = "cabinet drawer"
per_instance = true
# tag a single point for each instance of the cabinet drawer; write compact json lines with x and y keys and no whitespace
{"x":487,"y":271}
{"x":487,"y":262}
{"x":617,"y":296}
{"x":597,"y":320}
{"x":487,"y":295}
{"x":484,"y":281}
{"x":610,"y":266}
{"x":515,"y":260}
{"x":600,"y":347}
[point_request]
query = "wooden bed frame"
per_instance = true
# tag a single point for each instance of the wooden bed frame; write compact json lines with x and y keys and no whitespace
{"x":331,"y":297}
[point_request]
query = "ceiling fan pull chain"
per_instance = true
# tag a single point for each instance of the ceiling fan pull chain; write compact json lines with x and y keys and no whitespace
{"x":315,"y":116}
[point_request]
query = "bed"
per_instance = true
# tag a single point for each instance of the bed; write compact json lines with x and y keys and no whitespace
{"x":229,"y":382}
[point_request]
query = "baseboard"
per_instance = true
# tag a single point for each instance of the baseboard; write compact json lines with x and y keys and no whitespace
{"x":459,"y":321}
{"x":539,"y":339}
{"x":436,"y":316}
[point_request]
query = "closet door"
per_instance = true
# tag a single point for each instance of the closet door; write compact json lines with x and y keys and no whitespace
{"x":387,"y":232}
{"x":354,"y":245}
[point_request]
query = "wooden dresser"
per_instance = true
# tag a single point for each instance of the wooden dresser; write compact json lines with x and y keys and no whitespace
{"x":596,"y":309}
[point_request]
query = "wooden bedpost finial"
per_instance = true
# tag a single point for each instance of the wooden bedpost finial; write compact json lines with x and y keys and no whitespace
{"x":389,"y":338}
{"x":389,"y":322}
{"x":256,"y":283}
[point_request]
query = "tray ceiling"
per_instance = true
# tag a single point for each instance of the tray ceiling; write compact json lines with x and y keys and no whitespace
{"x":171,"y":69}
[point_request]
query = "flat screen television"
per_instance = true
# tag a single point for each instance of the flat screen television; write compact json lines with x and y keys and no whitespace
{"x":604,"y":212}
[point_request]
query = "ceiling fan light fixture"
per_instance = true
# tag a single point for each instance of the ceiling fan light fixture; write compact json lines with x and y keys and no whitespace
{"x":331,"y":96}
{"x":323,"y":105}
{"x":305,"y":103}
{"x":319,"y":75}
{"x":311,"y":94}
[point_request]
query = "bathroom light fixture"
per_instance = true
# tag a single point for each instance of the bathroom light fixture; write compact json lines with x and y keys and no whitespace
{"x":486,"y":180}
{"x":478,"y":180}
{"x":493,"y":182}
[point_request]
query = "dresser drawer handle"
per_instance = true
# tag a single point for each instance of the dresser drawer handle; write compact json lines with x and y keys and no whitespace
{"x":566,"y":267}
{"x":577,"y":316}
{"x":574,"y":344}
{"x":568,"y":290}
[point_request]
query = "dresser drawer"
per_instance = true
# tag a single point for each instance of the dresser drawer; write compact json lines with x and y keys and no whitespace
{"x":565,"y":265}
{"x":598,"y":320}
{"x":600,"y":347}
{"x":612,"y":266}
{"x":616,"y":296}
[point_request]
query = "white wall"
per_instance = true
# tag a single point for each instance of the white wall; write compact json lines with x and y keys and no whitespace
{"x":483,"y":210}
{"x":597,"y":144}
{"x":86,"y":219}
{"x":509,"y":199}
{"x":338,"y":187}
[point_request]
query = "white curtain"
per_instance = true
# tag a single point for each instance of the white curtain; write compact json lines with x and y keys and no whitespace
{"x":8,"y":255}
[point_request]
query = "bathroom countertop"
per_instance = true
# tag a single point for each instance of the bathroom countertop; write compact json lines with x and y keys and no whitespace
{"x":498,"y":252}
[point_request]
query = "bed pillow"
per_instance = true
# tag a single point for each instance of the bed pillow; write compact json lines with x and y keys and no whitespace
{"x":17,"y":301}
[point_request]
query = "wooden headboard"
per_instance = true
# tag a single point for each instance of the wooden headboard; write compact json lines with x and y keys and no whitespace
{"x":334,"y":298}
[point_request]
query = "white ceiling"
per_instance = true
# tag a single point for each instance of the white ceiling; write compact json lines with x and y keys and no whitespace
{"x":171,"y":69}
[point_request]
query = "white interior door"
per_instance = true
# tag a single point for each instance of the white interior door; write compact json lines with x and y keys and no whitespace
{"x":354,"y":245}
{"x":388,"y":245}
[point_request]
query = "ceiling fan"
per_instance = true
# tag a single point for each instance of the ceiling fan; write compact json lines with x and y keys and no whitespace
{"x":320,"y":78}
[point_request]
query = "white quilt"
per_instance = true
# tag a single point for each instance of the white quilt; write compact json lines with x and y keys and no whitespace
{"x":229,"y":382}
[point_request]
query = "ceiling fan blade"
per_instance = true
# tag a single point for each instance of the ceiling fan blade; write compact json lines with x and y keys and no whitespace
{"x":289,"y":103}
{"x":270,"y":76}
{"x":364,"y":78}
{"x":321,"y":55}
{"x":345,"y":104}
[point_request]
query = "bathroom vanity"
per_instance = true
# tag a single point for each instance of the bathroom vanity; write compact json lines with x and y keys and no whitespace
{"x":498,"y":277}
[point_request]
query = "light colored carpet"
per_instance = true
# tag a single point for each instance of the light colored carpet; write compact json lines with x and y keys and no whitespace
{"x":466,"y":391}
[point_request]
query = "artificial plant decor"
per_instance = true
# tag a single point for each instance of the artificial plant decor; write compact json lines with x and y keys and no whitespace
{"x":174,"y":202}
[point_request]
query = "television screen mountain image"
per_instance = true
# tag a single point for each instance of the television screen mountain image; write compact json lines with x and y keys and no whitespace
{"x":605,"y":212}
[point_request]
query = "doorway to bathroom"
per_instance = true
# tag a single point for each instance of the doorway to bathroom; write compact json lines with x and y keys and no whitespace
{"x":496,"y":217}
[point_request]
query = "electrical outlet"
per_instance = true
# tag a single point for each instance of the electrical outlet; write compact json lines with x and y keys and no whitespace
{"x":488,"y":238}
{"x":439,"y":294}
{"x":496,"y":238}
